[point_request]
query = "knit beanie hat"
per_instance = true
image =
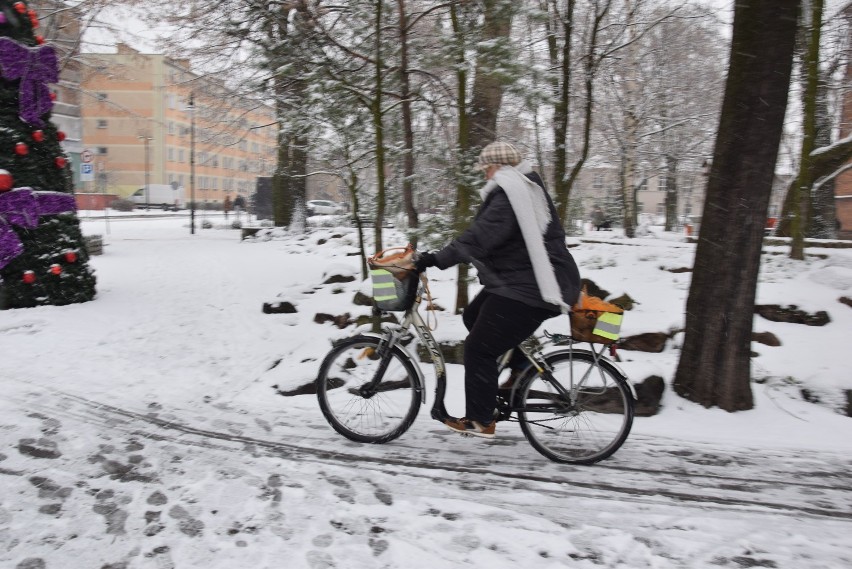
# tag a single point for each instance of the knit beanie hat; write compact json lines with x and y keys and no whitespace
{"x":499,"y":153}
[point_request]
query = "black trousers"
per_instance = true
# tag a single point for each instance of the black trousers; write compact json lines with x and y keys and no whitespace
{"x":496,"y":324}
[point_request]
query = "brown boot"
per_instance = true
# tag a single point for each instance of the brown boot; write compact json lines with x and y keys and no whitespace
{"x":469,"y":427}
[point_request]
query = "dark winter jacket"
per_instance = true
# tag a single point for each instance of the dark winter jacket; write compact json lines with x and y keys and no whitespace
{"x":495,"y":246}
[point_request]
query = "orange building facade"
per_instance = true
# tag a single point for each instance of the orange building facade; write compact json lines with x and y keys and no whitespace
{"x":138,"y":126}
{"x":843,"y":185}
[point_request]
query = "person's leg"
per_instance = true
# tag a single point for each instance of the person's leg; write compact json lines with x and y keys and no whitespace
{"x":471,"y":312}
{"x":501,"y":324}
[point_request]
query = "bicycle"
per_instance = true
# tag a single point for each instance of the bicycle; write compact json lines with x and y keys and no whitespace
{"x":573,"y":405}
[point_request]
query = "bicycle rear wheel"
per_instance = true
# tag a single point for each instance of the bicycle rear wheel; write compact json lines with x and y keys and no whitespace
{"x":361,"y":406}
{"x":580,"y":413}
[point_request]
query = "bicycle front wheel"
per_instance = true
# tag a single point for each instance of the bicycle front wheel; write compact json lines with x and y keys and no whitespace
{"x":366,"y":395}
{"x":579,"y":413}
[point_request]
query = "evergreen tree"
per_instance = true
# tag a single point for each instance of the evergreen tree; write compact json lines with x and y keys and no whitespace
{"x":43,"y":260}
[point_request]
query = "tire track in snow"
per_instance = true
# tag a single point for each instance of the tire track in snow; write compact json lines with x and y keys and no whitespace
{"x":644,"y":485}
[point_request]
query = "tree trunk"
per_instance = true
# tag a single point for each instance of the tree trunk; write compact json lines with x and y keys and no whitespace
{"x":631,"y":131}
{"x":282,"y":204}
{"x":671,"y":193}
{"x":378,"y":126}
{"x":802,"y":191}
{"x":407,"y":127}
{"x":463,"y":189}
{"x":481,"y":121}
{"x":714,"y":368}
{"x":488,"y":83}
{"x":560,"y":58}
{"x":298,"y":174}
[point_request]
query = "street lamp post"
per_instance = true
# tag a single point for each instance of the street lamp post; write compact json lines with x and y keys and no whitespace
{"x":191,"y":108}
{"x":146,"y":139}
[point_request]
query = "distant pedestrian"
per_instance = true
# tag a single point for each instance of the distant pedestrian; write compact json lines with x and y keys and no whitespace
{"x":227,"y":205}
{"x":598,"y":218}
{"x":239,"y":206}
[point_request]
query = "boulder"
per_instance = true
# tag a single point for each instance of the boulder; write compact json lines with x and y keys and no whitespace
{"x":334,"y":279}
{"x":362,"y":299}
{"x":791,"y":314}
{"x":624,"y":301}
{"x":767,"y":338}
{"x":649,"y":394}
{"x":592,"y":289}
{"x":654,"y":342}
{"x":279,"y":308}
{"x":341,"y":320}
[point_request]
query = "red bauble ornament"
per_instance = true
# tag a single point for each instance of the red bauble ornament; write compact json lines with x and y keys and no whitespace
{"x":60,"y":162}
{"x":71,"y":256}
{"x":60,"y":136}
{"x":6,"y":180}
{"x":22,"y":149}
{"x":20,"y":7}
{"x":55,"y":269}
{"x":29,"y":277}
{"x":38,"y":135}
{"x":52,"y":96}
{"x":39,"y":40}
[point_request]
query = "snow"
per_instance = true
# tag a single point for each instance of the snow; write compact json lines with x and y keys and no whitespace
{"x":143,"y":429}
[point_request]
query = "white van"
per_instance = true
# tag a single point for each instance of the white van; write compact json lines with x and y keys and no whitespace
{"x":160,"y":196}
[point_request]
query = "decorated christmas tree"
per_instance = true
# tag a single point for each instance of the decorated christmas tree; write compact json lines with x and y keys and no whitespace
{"x":42,"y":255}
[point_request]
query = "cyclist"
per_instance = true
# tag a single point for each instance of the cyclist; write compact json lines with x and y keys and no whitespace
{"x":517,"y":245}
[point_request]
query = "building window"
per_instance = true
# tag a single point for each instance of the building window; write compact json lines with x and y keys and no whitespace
{"x":102,"y":123}
{"x":662,"y":182}
{"x":103,"y":150}
{"x":170,"y":154}
{"x":171,"y":127}
{"x":180,"y":155}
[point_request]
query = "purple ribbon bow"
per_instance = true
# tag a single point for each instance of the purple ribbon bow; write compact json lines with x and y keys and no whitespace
{"x":35,"y":67}
{"x":22,"y":207}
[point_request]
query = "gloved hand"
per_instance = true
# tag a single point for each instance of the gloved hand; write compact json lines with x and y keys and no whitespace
{"x":424,"y":260}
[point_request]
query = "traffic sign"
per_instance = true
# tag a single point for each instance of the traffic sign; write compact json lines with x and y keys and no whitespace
{"x":87,"y":156}
{"x":87,"y":173}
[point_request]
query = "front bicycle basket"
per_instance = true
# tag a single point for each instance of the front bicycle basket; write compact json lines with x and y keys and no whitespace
{"x":595,"y":320}
{"x":393,"y":292}
{"x":394,"y":283}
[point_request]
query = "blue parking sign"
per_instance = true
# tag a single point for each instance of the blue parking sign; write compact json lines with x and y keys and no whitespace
{"x":87,"y":172}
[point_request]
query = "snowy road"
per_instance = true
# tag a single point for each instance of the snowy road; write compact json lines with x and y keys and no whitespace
{"x":655,"y":504}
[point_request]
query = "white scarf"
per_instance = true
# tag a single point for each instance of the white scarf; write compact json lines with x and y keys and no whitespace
{"x":533,"y":213}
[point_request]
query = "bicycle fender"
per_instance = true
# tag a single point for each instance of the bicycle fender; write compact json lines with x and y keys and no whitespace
{"x":604,"y":362}
{"x":421,"y":380}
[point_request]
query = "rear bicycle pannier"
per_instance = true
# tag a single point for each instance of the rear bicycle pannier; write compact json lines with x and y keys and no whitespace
{"x":595,"y":320}
{"x":394,"y":281}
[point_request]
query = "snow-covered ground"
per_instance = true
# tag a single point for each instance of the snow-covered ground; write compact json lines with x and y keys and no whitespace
{"x":143,"y":429}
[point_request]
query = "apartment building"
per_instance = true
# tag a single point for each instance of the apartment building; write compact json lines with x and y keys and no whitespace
{"x":139,"y":126}
{"x":843,"y":186}
{"x":59,"y":24}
